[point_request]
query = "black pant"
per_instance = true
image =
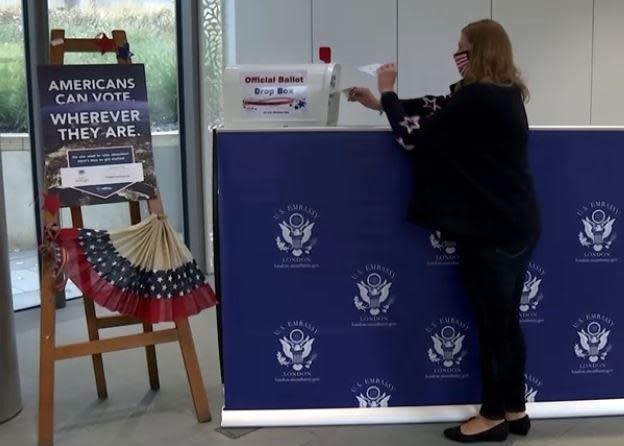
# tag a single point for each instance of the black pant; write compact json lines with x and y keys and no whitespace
{"x":494,"y":276}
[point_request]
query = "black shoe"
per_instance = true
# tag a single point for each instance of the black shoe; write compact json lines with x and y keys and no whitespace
{"x":497,"y":433}
{"x":520,"y":426}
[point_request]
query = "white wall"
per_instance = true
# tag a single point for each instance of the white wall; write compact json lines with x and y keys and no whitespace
{"x":428,"y":39}
{"x":553,"y":45}
{"x":359,"y":32}
{"x":608,"y":82}
{"x":566,"y":49}
{"x":273,"y":31}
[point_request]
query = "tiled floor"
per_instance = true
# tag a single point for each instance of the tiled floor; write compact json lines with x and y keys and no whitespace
{"x":133,"y":415}
{"x":25,"y":280}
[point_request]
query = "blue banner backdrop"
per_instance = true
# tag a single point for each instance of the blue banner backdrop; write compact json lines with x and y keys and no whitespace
{"x":332,"y":300}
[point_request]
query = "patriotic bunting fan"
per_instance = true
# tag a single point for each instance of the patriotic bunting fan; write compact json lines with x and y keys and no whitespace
{"x":143,"y":271}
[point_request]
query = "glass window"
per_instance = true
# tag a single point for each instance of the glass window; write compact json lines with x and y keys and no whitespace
{"x":13,"y":107}
{"x":16,"y":159}
{"x":150,"y":28}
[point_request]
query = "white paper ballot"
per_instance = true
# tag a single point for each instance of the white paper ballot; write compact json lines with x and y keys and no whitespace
{"x":101,"y":175}
{"x":371,"y":69}
{"x":346,"y":91}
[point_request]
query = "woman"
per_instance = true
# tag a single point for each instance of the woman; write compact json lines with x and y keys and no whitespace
{"x":472,"y":181}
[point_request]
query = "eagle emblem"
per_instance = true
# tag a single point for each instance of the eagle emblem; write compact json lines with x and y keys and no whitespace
{"x":373,"y":397}
{"x":296,"y":235}
{"x":593,"y":343}
{"x":437,"y":242}
{"x":373,"y":295}
{"x":530,"y":298}
{"x":529,"y":394}
{"x":296,"y":350}
{"x":447,"y":347}
{"x":598,"y":231}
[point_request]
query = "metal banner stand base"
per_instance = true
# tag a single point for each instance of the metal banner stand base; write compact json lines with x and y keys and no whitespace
{"x":408,"y":415}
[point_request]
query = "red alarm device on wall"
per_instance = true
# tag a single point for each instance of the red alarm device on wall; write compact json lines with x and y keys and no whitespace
{"x":325,"y":54}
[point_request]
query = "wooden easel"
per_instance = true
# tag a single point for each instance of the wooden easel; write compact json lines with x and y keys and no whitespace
{"x":50,"y":352}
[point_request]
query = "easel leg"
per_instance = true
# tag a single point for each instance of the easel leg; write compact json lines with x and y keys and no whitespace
{"x":98,"y":363}
{"x":46,"y":356}
{"x":152,"y":364}
{"x":193,"y":372}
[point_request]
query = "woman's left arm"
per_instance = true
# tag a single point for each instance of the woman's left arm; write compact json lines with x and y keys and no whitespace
{"x":424,"y":106}
{"x":412,"y":130}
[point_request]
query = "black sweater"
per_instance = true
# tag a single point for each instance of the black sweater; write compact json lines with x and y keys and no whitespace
{"x":470,"y":158}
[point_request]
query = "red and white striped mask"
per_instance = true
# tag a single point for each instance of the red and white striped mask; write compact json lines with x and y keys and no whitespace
{"x":462,"y":60}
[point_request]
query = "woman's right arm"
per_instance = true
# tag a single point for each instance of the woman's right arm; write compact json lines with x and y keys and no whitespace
{"x":424,"y":106}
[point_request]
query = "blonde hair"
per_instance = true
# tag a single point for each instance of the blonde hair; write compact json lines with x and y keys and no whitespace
{"x":491,"y":56}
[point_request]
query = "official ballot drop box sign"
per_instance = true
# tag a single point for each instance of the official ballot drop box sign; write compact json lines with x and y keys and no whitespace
{"x":281,"y":95}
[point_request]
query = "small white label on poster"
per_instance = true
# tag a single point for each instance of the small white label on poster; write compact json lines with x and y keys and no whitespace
{"x":275,"y":94}
{"x":101,"y":175}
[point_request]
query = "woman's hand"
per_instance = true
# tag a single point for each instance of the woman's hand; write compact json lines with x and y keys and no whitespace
{"x":365,"y":97}
{"x":386,"y":77}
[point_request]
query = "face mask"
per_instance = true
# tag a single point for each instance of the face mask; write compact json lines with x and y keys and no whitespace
{"x":462,"y":61}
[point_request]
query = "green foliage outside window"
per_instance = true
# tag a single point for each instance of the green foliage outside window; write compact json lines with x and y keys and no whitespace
{"x":152,"y":36}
